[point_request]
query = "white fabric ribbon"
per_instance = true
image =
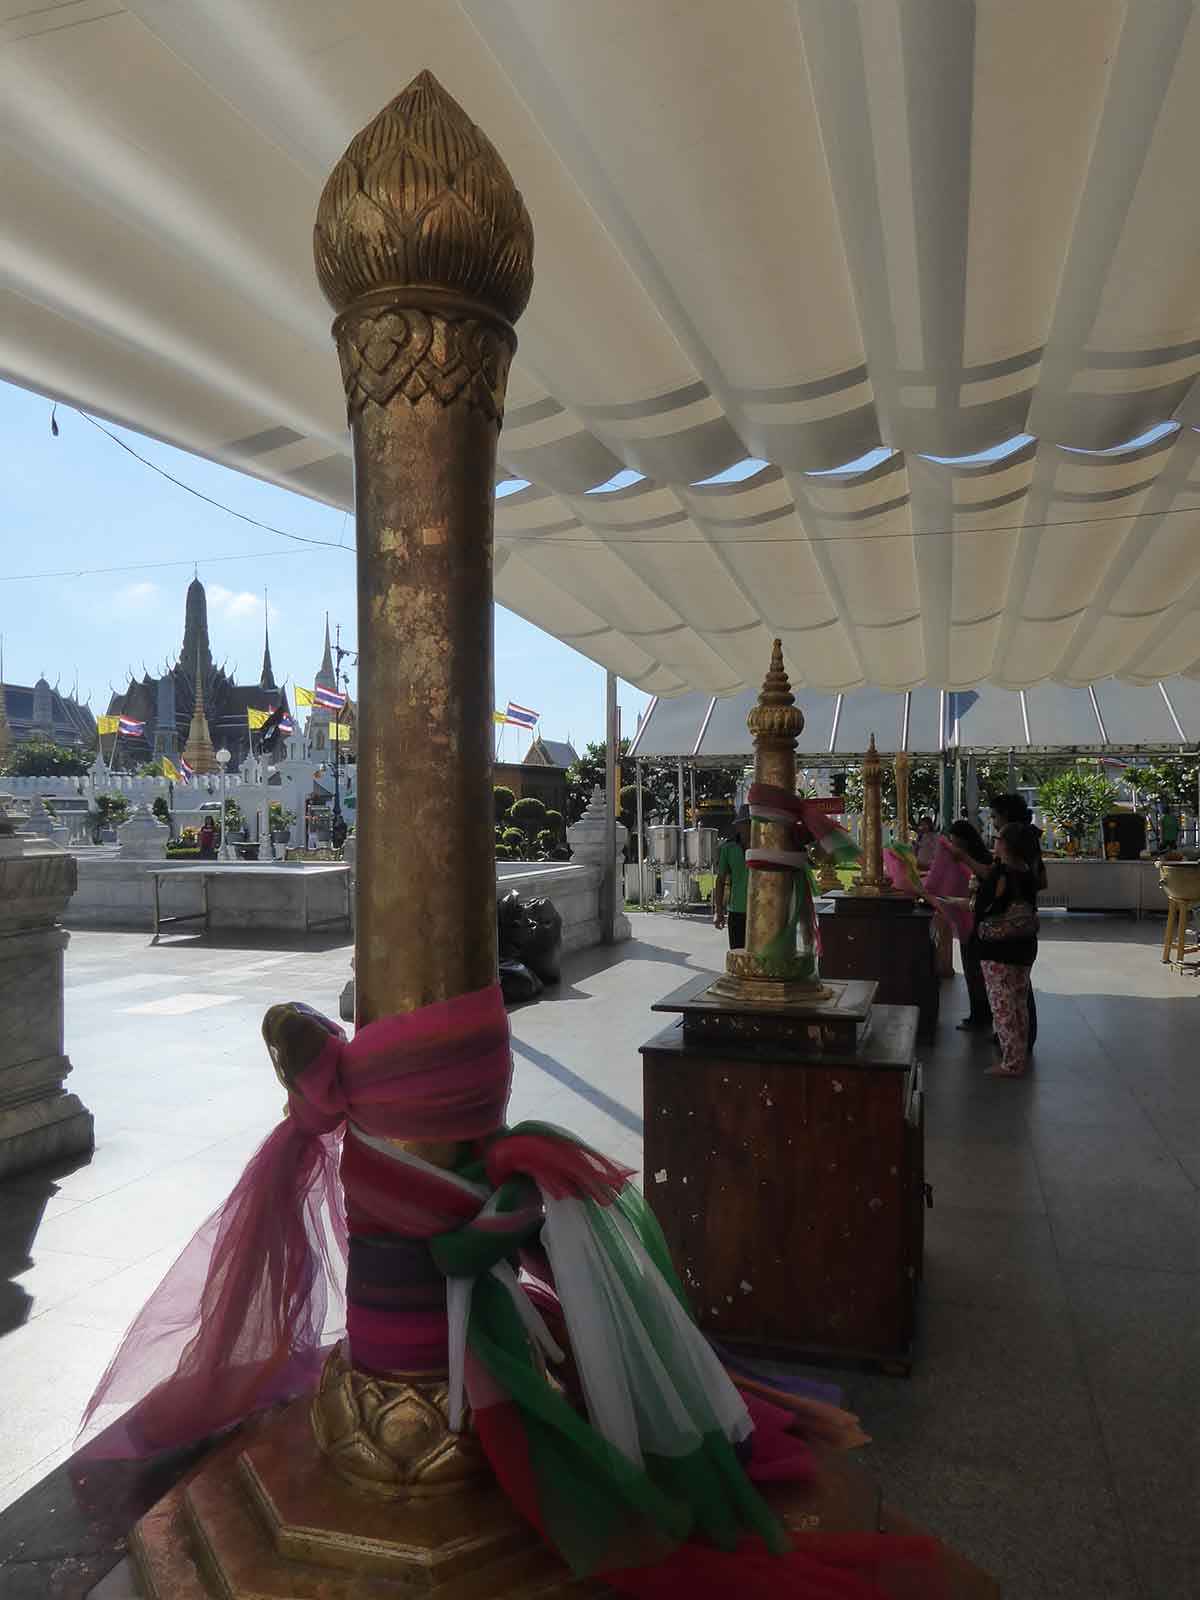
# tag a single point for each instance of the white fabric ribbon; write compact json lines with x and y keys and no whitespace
{"x":777,"y":858}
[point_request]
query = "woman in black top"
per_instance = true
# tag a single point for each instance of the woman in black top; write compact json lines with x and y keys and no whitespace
{"x":1006,"y":928}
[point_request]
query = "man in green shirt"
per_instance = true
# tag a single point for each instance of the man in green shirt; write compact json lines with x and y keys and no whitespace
{"x":729,"y":892}
{"x":1169,"y":828}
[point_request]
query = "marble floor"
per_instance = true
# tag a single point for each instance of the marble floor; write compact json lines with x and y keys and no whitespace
{"x":1051,"y":1428}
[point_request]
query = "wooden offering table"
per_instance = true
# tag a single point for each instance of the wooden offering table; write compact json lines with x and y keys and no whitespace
{"x":784,"y":1161}
{"x":887,"y":938}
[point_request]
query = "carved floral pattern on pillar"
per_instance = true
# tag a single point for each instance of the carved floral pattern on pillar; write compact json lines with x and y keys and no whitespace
{"x":421,"y":204}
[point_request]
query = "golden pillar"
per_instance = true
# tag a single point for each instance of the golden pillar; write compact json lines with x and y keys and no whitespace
{"x":902,"y":765}
{"x":425,"y":250}
{"x":775,"y":724}
{"x":872,"y":879}
{"x":424,"y":247}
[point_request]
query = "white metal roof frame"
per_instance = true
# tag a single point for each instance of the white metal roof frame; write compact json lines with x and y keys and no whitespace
{"x":1108,"y":717}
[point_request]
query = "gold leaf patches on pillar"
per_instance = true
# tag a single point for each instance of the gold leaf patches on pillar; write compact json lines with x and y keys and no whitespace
{"x":422,"y":198}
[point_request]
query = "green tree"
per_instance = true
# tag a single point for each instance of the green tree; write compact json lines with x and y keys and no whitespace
{"x":281,"y":819}
{"x":515,"y":842}
{"x":556,"y":822}
{"x":41,"y":758}
{"x":1076,"y":801}
{"x":588,"y":773}
{"x":1172,"y":783}
{"x":504,"y":800}
{"x":234,"y":820}
{"x":924,"y":790}
{"x":529,"y":815}
{"x":161,"y":810}
{"x":546,"y":841}
{"x":111,"y":812}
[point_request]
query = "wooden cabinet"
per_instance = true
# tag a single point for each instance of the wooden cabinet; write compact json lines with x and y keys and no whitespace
{"x":791,"y":1189}
{"x":890,"y":940}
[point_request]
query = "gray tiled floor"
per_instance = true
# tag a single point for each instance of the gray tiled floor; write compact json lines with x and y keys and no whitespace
{"x":1051,"y":1428}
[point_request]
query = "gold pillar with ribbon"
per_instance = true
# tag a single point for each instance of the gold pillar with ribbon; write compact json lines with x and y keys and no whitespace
{"x":775,"y":723}
{"x":902,"y":766}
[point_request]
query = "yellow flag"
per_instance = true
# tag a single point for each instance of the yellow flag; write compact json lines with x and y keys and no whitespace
{"x":340,"y":731}
{"x":256,"y":719}
{"x":305,"y":697}
{"x":169,"y":770}
{"x":107,"y":724}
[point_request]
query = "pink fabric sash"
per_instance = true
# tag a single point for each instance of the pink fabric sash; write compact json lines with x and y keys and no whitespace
{"x":241,"y":1319}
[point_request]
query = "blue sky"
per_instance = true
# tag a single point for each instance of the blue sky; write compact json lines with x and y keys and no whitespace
{"x":80,"y":502}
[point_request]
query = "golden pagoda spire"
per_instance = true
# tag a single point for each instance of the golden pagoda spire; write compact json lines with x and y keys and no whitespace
{"x":198,"y":752}
{"x":775,"y":723}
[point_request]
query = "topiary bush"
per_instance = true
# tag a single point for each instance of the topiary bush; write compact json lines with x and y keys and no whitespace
{"x":529,"y":814}
{"x":557,"y":823}
{"x":514,"y":842}
{"x":504,"y":800}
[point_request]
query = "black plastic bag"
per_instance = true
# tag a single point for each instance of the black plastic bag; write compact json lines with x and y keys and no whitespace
{"x":512,"y":926}
{"x":542,"y":952}
{"x":530,"y":932}
{"x":517,"y":983}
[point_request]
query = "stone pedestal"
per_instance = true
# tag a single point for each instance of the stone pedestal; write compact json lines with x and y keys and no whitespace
{"x":143,"y":837}
{"x":39,"y":1121}
{"x":40,"y":823}
{"x":587,"y":839}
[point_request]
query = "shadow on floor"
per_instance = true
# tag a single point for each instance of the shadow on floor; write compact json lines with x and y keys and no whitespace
{"x":317,"y":940}
{"x":23,"y":1201}
{"x":585,"y":964}
{"x":585,"y":1090}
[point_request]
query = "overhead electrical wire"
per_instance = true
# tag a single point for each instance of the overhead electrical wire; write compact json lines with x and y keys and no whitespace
{"x":138,"y":566}
{"x":580,"y":542}
{"x":241,"y":516}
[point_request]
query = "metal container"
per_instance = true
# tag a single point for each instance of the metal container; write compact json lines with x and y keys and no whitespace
{"x":664,"y":844}
{"x":700,"y":848}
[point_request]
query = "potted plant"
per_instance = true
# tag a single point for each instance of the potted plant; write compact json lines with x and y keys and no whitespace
{"x":1076,"y":803}
{"x":282,"y":823}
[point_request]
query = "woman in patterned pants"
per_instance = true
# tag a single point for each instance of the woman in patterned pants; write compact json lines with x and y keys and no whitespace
{"x":1008,"y":944}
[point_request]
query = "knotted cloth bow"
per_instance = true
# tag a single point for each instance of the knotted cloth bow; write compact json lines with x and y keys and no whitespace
{"x":657,"y":1450}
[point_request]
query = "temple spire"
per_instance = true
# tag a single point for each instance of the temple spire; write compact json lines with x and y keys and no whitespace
{"x":199,"y":752}
{"x":195,"y":628}
{"x":326,"y":677}
{"x":267,"y":681}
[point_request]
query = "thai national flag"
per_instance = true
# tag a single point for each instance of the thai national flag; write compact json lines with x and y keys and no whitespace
{"x":131,"y":727}
{"x":186,"y":768}
{"x":285,"y":724}
{"x":329,"y":699}
{"x":521,"y":715}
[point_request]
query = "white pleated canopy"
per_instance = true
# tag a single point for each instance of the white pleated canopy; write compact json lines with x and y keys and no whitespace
{"x":956,"y":238}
